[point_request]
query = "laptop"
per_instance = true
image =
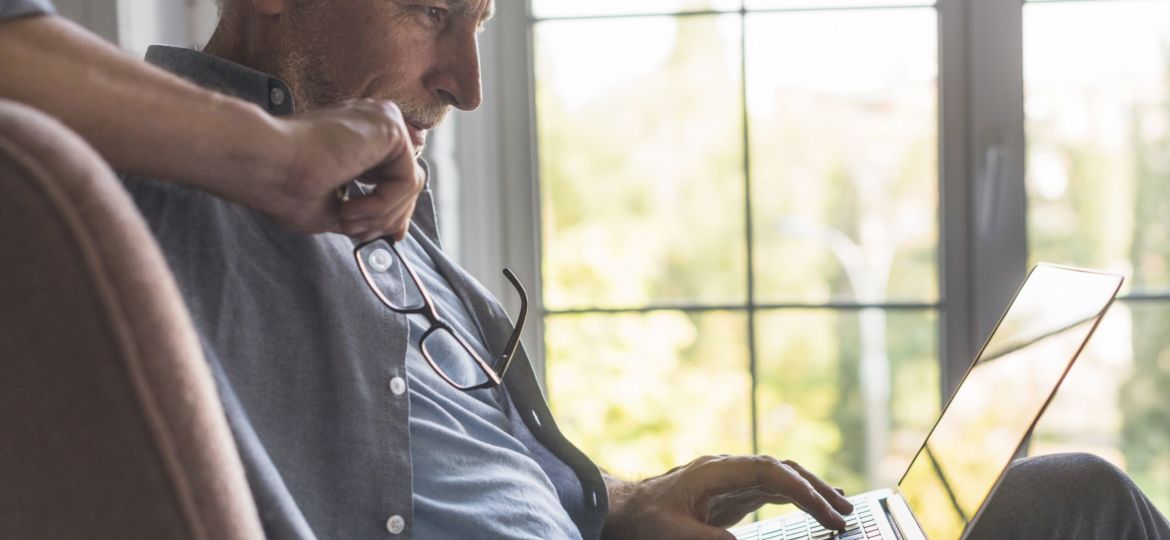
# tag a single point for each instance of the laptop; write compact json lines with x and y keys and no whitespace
{"x":984,"y":426}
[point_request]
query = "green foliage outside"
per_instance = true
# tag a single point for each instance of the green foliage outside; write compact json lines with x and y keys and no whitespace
{"x":643,"y":203}
{"x":643,"y":200}
{"x":1103,"y":143}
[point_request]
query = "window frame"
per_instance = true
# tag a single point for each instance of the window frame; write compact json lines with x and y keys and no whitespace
{"x":982,"y":248}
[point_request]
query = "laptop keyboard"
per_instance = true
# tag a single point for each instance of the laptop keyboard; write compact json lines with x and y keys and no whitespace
{"x":861,"y":525}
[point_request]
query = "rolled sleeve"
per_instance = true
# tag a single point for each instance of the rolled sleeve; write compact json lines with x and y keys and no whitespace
{"x":11,"y":9}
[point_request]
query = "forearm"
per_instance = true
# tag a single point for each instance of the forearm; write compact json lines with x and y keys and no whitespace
{"x":139,"y":118}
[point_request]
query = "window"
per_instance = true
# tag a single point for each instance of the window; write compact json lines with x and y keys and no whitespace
{"x":1097,"y":103}
{"x":786,"y":226}
{"x":739,"y":215}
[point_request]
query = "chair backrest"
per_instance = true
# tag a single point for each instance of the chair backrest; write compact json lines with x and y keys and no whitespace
{"x":110,"y":426}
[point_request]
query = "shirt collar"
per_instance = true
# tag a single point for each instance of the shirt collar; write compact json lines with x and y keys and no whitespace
{"x":224,"y":76}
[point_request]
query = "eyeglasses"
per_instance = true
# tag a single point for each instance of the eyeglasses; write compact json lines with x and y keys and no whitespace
{"x":442,"y":347}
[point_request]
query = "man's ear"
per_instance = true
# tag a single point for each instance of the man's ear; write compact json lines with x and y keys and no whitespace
{"x":269,"y":7}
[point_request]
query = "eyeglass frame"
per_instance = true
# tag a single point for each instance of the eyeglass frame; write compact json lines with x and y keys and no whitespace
{"x":428,"y":310}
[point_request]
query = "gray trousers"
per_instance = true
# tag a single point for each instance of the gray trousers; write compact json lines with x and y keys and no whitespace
{"x":1069,"y":496}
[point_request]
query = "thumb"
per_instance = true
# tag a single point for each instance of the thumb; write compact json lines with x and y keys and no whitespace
{"x":692,"y":529}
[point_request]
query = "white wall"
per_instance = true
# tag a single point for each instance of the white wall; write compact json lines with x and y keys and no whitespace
{"x":134,"y":25}
{"x":100,"y":16}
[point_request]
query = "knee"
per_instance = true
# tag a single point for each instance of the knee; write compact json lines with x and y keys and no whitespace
{"x":1072,"y":473}
{"x":1094,"y":469}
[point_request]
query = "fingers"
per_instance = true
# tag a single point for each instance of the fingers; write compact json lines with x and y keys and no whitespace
{"x":397,"y":180}
{"x":834,"y":496}
{"x":727,"y":510}
{"x":379,"y":214}
{"x":394,"y":225}
{"x":735,"y":474}
{"x":362,"y":138}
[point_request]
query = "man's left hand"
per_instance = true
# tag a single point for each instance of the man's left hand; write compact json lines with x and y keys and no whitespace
{"x":700,"y":499}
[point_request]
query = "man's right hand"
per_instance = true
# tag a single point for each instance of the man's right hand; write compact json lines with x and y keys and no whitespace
{"x":700,"y":499}
{"x":324,"y":149}
{"x":167,"y":128}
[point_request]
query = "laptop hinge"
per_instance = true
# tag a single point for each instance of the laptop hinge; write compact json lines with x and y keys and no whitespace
{"x":905,"y":526}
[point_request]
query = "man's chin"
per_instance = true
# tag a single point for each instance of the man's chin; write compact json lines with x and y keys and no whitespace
{"x":418,"y":139}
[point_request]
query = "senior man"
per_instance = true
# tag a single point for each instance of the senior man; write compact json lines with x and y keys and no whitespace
{"x":345,"y":429}
{"x":353,"y":420}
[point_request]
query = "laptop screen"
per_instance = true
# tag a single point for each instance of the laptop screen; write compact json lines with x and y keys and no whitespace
{"x":1002,"y":396}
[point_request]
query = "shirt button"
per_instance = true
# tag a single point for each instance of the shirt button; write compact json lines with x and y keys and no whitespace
{"x":397,"y":386}
{"x":277,"y":96}
{"x":395,"y":524}
{"x":380,"y":260}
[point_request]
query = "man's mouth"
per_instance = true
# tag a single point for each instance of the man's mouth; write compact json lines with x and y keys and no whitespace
{"x":418,"y":133}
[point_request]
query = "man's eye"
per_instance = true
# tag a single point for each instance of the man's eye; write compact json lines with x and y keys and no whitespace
{"x":438,"y":16}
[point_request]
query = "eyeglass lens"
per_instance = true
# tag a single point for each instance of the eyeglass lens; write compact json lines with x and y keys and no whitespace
{"x":452,"y":359}
{"x":386,"y":274}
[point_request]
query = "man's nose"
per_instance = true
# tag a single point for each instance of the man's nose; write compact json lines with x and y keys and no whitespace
{"x":459,"y":82}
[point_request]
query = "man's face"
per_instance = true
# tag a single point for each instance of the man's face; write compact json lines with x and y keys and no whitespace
{"x":421,"y":54}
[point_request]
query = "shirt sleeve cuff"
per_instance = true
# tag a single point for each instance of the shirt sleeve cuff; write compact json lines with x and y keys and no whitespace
{"x":11,"y":9}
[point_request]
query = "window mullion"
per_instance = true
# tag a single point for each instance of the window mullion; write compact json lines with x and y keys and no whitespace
{"x":983,"y":167}
{"x":499,"y":216}
{"x":955,"y":344}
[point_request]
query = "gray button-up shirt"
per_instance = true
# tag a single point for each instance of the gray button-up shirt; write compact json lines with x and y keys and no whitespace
{"x":306,"y":358}
{"x":18,"y":8}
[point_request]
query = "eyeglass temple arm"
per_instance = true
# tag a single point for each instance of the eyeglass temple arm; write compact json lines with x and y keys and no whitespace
{"x":514,"y":341}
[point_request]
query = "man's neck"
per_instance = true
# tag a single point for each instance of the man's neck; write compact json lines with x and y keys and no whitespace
{"x":242,"y":39}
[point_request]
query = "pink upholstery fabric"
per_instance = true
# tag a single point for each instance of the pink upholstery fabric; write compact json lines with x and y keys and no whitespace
{"x":110,"y":426}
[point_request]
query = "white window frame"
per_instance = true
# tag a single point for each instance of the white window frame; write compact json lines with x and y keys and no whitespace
{"x":497,"y":207}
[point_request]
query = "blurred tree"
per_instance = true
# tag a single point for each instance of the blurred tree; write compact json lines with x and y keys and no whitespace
{"x":643,"y":194}
{"x":1144,"y":403}
{"x":643,"y":203}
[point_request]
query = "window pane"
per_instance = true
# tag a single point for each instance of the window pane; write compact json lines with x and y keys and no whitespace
{"x":1113,"y":402}
{"x":825,"y":376}
{"x":1098,"y":125}
{"x":643,"y":393}
{"x":844,"y":154}
{"x":577,"y":8}
{"x":825,"y":4}
{"x":641,"y":161}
